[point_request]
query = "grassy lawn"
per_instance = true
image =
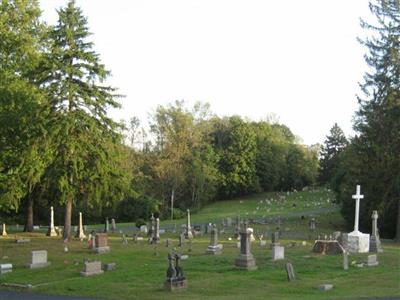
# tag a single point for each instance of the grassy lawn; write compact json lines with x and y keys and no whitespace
{"x":141,"y":268}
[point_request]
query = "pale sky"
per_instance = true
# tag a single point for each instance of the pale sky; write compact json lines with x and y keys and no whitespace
{"x":297,"y":59}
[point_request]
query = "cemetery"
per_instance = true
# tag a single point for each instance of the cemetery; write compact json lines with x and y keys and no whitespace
{"x":286,"y":268}
{"x":199,"y":149}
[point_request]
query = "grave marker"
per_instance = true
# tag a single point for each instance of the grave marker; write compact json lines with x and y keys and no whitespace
{"x":38,"y":259}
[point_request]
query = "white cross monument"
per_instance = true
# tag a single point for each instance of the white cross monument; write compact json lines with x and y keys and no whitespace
{"x":51,"y":231}
{"x":357,"y":241}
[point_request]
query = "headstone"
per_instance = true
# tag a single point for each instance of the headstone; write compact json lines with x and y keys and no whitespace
{"x":330,"y":247}
{"x":151,"y":228}
{"x":4,"y":233}
{"x":214,"y":248}
{"x":38,"y":259}
{"x":345,"y":260}
{"x":237,"y":230}
{"x":181,"y":240}
{"x":311,"y":224}
{"x":106,"y":226}
{"x":124,"y":240}
{"x":113,"y":226}
{"x":109,"y":266}
{"x":278,"y":253}
{"x":357,"y":242}
{"x":188,"y":231}
{"x":51,"y":231}
{"x":229,"y":222}
{"x":143,"y":228}
{"x":245,"y":260}
{"x":263,"y":243}
{"x":290,"y":272}
{"x":175,"y":277}
{"x":372,"y":260}
{"x":275,"y":239}
{"x":168,"y":242}
{"x":22,"y":240}
{"x":5,"y":268}
{"x":375,"y":242}
{"x":325,"y":287}
{"x":92,"y":268}
{"x":80,"y":234}
{"x":156,"y":232}
{"x":101,"y":243}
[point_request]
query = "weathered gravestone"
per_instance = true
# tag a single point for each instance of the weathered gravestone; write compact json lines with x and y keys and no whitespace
{"x":214,"y":248}
{"x":92,"y":268}
{"x":345,"y":260}
{"x":5,"y":268}
{"x":375,"y":242}
{"x":278,"y":252}
{"x":372,"y":260}
{"x":245,"y":260}
{"x":175,"y":278}
{"x":101,"y":243}
{"x":289,"y":272}
{"x":109,"y":266}
{"x":38,"y":259}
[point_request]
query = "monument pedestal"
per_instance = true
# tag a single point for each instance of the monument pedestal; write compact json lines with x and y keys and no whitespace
{"x":358,"y":242}
{"x":51,"y":232}
{"x":214,"y":249}
{"x":246,"y":262}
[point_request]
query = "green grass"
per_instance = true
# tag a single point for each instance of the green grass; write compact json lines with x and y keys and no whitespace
{"x":140,"y":273}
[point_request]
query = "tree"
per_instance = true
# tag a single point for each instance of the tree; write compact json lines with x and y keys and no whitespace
{"x":334,"y":144}
{"x":87,"y":161}
{"x":24,"y":144}
{"x":374,"y":161}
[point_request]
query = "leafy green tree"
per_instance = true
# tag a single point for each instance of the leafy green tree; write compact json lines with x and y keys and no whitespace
{"x":234,"y":141}
{"x":374,"y":161}
{"x":24,"y":144}
{"x":86,"y":167}
{"x":334,"y":144}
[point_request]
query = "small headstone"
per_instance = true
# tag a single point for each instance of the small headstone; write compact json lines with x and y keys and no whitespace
{"x":289,"y":271}
{"x":325,"y":287}
{"x":38,"y":259}
{"x":143,"y":229}
{"x":263,"y":243}
{"x":278,"y":253}
{"x":372,"y":260}
{"x":181,"y":240}
{"x":345,"y":260}
{"x":168,"y":242}
{"x":124,"y":240}
{"x":109,"y":267}
{"x":101,"y":243}
{"x":92,"y":268}
{"x":22,"y":240}
{"x":5,"y":268}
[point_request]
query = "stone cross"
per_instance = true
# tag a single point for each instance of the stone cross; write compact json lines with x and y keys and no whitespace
{"x":80,"y":234}
{"x":357,"y":196}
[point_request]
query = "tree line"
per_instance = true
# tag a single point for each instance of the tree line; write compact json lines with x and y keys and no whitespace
{"x":59,"y":148}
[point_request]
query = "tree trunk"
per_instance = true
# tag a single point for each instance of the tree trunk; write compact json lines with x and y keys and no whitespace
{"x":29,"y":215}
{"x":398,"y":223}
{"x":67,"y":220}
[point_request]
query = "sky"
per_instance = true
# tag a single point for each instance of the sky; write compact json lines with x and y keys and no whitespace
{"x":297,"y":60}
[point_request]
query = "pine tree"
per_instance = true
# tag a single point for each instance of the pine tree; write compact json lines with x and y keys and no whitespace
{"x":375,"y":161}
{"x":87,"y":165}
{"x":334,"y":144}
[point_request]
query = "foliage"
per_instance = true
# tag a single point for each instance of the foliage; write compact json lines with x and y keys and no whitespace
{"x":373,"y":158}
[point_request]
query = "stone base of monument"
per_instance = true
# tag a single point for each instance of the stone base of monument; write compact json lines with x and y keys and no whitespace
{"x":51,"y":233}
{"x":174,"y":285}
{"x":246,"y":262}
{"x":101,"y":250}
{"x":375,"y":245}
{"x":327,"y":247}
{"x":357,"y":242}
{"x":39,"y":265}
{"x":214,"y":250}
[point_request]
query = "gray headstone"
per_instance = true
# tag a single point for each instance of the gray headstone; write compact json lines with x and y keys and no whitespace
{"x":325,"y":287}
{"x":5,"y":268}
{"x":372,"y":260}
{"x":38,"y":259}
{"x":290,"y":272}
{"x":278,"y":253}
{"x":92,"y":268}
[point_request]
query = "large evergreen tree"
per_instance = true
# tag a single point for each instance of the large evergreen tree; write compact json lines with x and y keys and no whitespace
{"x":375,"y":160}
{"x":86,"y":166}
